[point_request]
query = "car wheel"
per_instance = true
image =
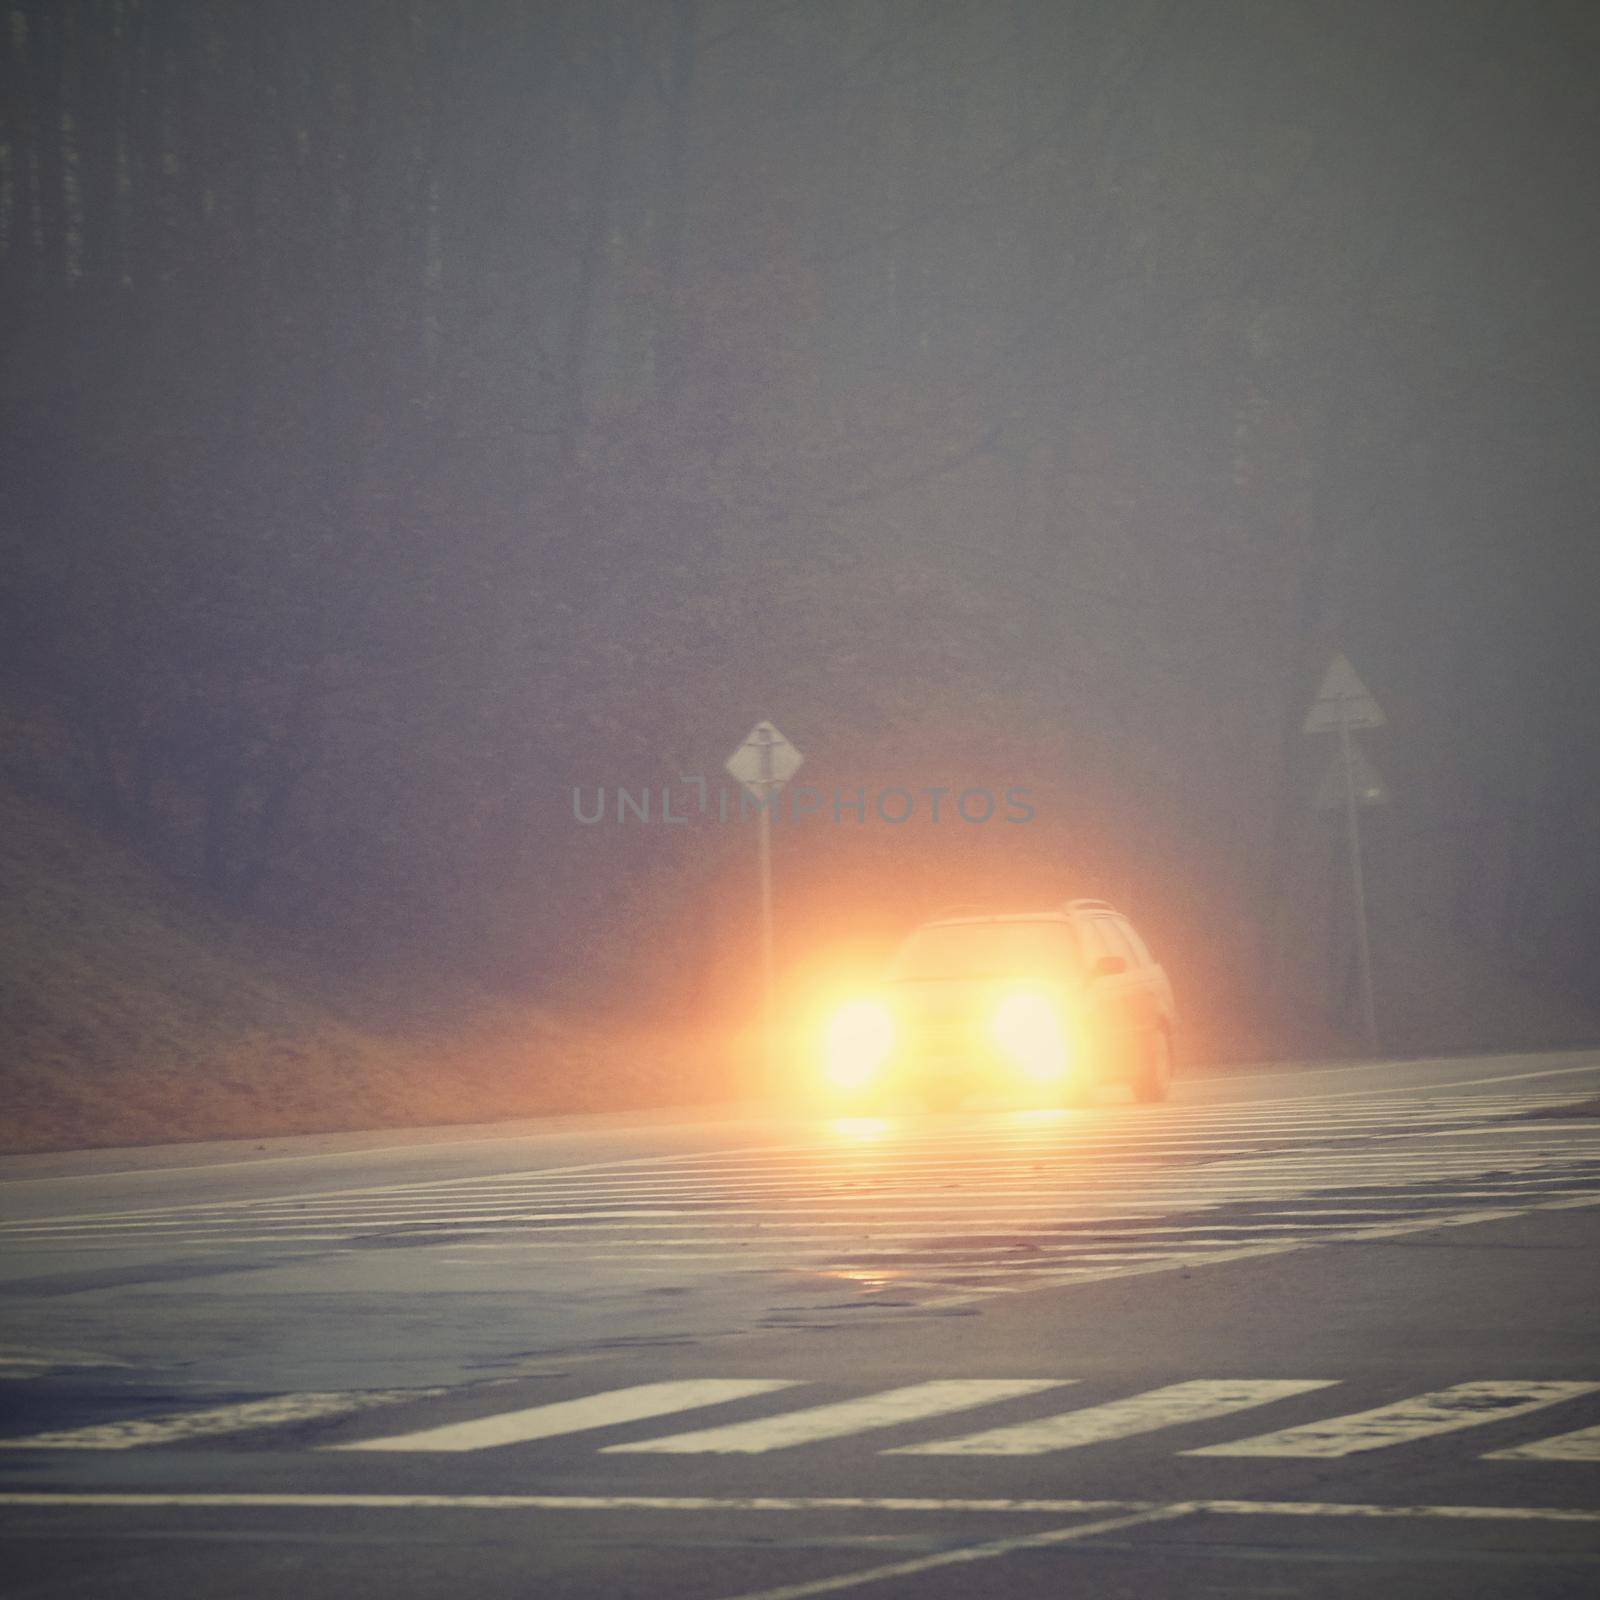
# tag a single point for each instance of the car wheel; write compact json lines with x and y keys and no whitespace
{"x":1153,"y":1081}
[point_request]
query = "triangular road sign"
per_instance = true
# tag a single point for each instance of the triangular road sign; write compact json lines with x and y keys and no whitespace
{"x":1344,"y":698}
{"x":1370,"y":789}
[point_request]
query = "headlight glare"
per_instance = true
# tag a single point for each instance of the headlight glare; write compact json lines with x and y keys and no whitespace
{"x":1027,"y":1027}
{"x":857,"y":1041}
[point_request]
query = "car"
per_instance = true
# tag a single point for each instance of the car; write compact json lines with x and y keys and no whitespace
{"x":1052,"y":1004}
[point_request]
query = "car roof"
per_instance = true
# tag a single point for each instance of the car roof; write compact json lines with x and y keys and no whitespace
{"x":1063,"y":913}
{"x":1007,"y":916}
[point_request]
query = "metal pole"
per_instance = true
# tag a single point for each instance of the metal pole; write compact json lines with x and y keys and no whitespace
{"x":768,"y":976}
{"x":1369,"y":1014}
{"x":769,"y":982}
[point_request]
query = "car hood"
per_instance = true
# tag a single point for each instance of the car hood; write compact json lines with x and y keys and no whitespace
{"x":936,"y":1000}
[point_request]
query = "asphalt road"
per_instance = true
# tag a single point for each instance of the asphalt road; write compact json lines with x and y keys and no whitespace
{"x":1310,"y":1333}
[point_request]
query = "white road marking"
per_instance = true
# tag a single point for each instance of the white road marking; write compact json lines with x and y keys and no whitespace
{"x":603,"y":1410}
{"x":1584,"y":1445}
{"x":1472,"y":1083}
{"x":1042,"y":1278}
{"x":555,"y":1242}
{"x":1104,"y":1116}
{"x":968,"y":1553}
{"x":1466,"y":1405}
{"x":870,"y":1411}
{"x":778,"y":1503}
{"x":30,"y":1361}
{"x":766,"y":1157}
{"x":1066,"y":1180}
{"x":1195,"y":1401}
{"x":881,"y":1202}
{"x":173,"y":1429}
{"x":1153,"y":1189}
{"x":1569,"y":1135}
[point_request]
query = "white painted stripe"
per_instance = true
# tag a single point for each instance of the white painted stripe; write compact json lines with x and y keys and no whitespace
{"x":1150,"y":1190}
{"x":884,"y":1410}
{"x":550,"y":1239}
{"x":1584,"y":1445}
{"x":1470,"y":1083}
{"x":1382,"y":1513}
{"x":1517,"y":1159}
{"x":1044,"y":1277}
{"x":910,"y":1183}
{"x":1466,"y":1405}
{"x":968,"y":1553}
{"x":991,"y":1156}
{"x":768,"y":1157}
{"x":1079,"y":1181}
{"x":31,"y":1360}
{"x":773,"y":1503}
{"x":603,"y":1410}
{"x":174,"y":1428}
{"x":1169,"y":1407}
{"x":1552,"y":1130}
{"x":1009,"y":1221}
{"x":1194,"y":1113}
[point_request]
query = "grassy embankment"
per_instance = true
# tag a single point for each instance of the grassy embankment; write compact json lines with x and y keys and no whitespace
{"x":132,"y":1014}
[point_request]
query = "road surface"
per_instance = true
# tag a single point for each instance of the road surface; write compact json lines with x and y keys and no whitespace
{"x":1308,"y":1333}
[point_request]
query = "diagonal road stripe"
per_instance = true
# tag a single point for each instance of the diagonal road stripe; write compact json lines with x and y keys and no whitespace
{"x":1584,"y":1445}
{"x":845,"y":1417}
{"x":1466,"y":1405}
{"x":968,"y":1553}
{"x":1194,"y":1401}
{"x":575,"y":1416}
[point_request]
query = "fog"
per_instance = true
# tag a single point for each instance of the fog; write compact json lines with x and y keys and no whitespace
{"x":419,"y":418}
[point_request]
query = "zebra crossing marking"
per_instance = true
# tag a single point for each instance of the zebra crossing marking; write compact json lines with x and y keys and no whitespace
{"x":845,"y":1417}
{"x":1263,"y":1120}
{"x":1464,"y":1405}
{"x":214,"y":1420}
{"x":1195,"y":1401}
{"x":604,"y":1410}
{"x":1583,"y":1445}
{"x":1091,"y":1198}
{"x":1158,"y":1192}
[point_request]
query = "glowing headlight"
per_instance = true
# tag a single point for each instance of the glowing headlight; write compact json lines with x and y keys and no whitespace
{"x":858,"y":1039}
{"x":1027,"y":1026}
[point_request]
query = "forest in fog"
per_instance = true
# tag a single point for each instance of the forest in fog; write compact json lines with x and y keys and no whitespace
{"x":412,"y":410}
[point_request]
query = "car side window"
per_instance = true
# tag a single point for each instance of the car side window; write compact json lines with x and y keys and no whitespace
{"x":1098,"y":940}
{"x":1140,"y":956}
{"x":1115,"y":942}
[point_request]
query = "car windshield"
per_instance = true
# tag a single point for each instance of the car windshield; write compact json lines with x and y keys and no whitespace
{"x":986,"y":950}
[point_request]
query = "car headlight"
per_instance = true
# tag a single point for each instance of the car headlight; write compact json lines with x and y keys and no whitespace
{"x":1027,"y":1027}
{"x":857,"y":1042}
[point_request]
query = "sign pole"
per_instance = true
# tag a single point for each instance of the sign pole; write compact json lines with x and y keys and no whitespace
{"x":1369,"y":1015}
{"x":763,"y":764}
{"x":769,"y":982}
{"x":1343,"y":703}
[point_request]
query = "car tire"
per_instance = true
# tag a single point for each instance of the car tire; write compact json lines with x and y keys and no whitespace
{"x":1152,"y":1083}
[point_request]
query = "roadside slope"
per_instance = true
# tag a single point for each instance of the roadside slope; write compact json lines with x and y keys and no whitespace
{"x":130,"y":1013}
